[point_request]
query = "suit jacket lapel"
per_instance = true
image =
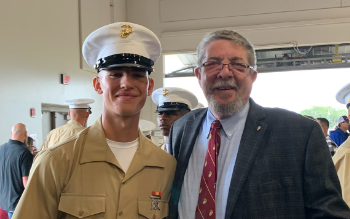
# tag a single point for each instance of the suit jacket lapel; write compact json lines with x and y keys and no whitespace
{"x":250,"y":142}
{"x":190,"y":134}
{"x":182,"y":152}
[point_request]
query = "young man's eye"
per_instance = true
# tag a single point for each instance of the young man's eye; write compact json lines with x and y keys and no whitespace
{"x":139,"y":75}
{"x":116,"y":74}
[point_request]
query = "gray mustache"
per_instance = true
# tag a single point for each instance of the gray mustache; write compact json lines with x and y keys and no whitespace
{"x":219,"y":84}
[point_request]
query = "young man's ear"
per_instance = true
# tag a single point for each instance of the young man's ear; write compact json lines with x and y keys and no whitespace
{"x":150,"y":86}
{"x":97,"y":84}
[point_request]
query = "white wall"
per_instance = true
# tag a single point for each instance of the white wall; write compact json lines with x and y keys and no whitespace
{"x":41,"y":39}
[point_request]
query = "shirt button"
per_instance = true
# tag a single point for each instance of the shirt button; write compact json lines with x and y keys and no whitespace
{"x":229,"y":134}
{"x":81,"y":213}
{"x":120,"y":213}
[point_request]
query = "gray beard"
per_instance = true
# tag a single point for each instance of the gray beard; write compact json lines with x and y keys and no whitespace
{"x":225,"y":109}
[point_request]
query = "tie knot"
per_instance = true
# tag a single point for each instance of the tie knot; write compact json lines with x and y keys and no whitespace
{"x":216,"y":124}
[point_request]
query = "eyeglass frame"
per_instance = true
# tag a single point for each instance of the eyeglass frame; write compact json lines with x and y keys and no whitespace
{"x":228,"y":65}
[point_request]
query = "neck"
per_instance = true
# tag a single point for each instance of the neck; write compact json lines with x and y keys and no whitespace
{"x":81,"y":121}
{"x":18,"y":139}
{"x":120,"y":129}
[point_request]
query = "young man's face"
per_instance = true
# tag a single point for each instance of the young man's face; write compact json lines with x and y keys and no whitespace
{"x":167,"y":118}
{"x":344,"y":125}
{"x":124,"y":90}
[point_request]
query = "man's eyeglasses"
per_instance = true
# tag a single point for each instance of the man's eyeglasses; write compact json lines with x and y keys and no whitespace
{"x":238,"y":67}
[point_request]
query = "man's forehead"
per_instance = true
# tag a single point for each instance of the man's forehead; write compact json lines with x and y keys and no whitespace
{"x":233,"y":52}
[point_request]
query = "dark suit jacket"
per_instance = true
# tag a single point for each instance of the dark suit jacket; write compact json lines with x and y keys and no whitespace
{"x":283,"y":167}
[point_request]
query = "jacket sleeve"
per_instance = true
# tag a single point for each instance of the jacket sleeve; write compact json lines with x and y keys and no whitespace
{"x":322,"y":192}
{"x":41,"y":196}
{"x":335,"y":137}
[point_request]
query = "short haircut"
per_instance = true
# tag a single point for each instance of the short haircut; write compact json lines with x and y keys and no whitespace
{"x":232,"y":36}
{"x":324,"y":121}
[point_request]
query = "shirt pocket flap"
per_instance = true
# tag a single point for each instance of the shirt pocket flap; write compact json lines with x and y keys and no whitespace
{"x":145,"y":209}
{"x":81,"y":206}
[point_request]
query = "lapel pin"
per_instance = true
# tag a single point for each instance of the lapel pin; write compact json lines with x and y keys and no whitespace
{"x":259,"y":127}
{"x":155,"y":200}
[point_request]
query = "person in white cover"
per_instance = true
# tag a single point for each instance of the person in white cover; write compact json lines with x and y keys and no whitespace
{"x":172,"y":103}
{"x":79,"y":112}
{"x":341,"y":158}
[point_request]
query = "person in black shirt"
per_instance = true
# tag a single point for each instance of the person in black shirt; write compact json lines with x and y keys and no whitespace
{"x":15,"y":163}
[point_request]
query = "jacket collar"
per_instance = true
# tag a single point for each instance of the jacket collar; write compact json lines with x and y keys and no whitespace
{"x":74,"y":122}
{"x":96,"y":149}
{"x":16,"y":142}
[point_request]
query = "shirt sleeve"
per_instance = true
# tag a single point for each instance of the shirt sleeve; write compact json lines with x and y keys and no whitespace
{"x":41,"y":196}
{"x":26,"y":163}
{"x":322,"y":192}
{"x":335,"y":137}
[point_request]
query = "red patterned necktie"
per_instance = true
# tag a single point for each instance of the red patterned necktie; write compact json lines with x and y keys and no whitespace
{"x":206,"y":199}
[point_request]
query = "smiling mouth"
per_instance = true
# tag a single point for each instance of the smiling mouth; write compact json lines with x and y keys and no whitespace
{"x":225,"y":88}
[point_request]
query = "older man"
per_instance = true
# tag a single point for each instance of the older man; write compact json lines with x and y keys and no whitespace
{"x":237,"y":159}
{"x":109,"y":170}
{"x":15,"y":163}
{"x":79,"y":111}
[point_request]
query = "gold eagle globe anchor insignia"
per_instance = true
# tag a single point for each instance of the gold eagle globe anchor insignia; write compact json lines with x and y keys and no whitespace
{"x":124,"y":33}
{"x":165,"y":92}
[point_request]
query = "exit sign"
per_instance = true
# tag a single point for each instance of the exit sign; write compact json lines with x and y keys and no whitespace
{"x":64,"y":79}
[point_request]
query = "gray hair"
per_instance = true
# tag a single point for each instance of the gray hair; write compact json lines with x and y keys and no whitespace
{"x":233,"y":37}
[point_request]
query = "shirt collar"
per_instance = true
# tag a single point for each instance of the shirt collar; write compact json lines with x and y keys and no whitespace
{"x":74,"y":122}
{"x":96,"y":148}
{"x":229,"y":123}
{"x":15,"y":141}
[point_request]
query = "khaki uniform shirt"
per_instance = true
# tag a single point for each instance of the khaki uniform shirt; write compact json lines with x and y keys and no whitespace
{"x":61,"y":133}
{"x":341,"y":161}
{"x":81,"y":178}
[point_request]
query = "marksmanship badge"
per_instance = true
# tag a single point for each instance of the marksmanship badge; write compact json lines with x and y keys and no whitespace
{"x":155,"y":200}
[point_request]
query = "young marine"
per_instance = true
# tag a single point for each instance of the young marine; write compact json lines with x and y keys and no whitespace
{"x":109,"y":170}
{"x":172,"y":103}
